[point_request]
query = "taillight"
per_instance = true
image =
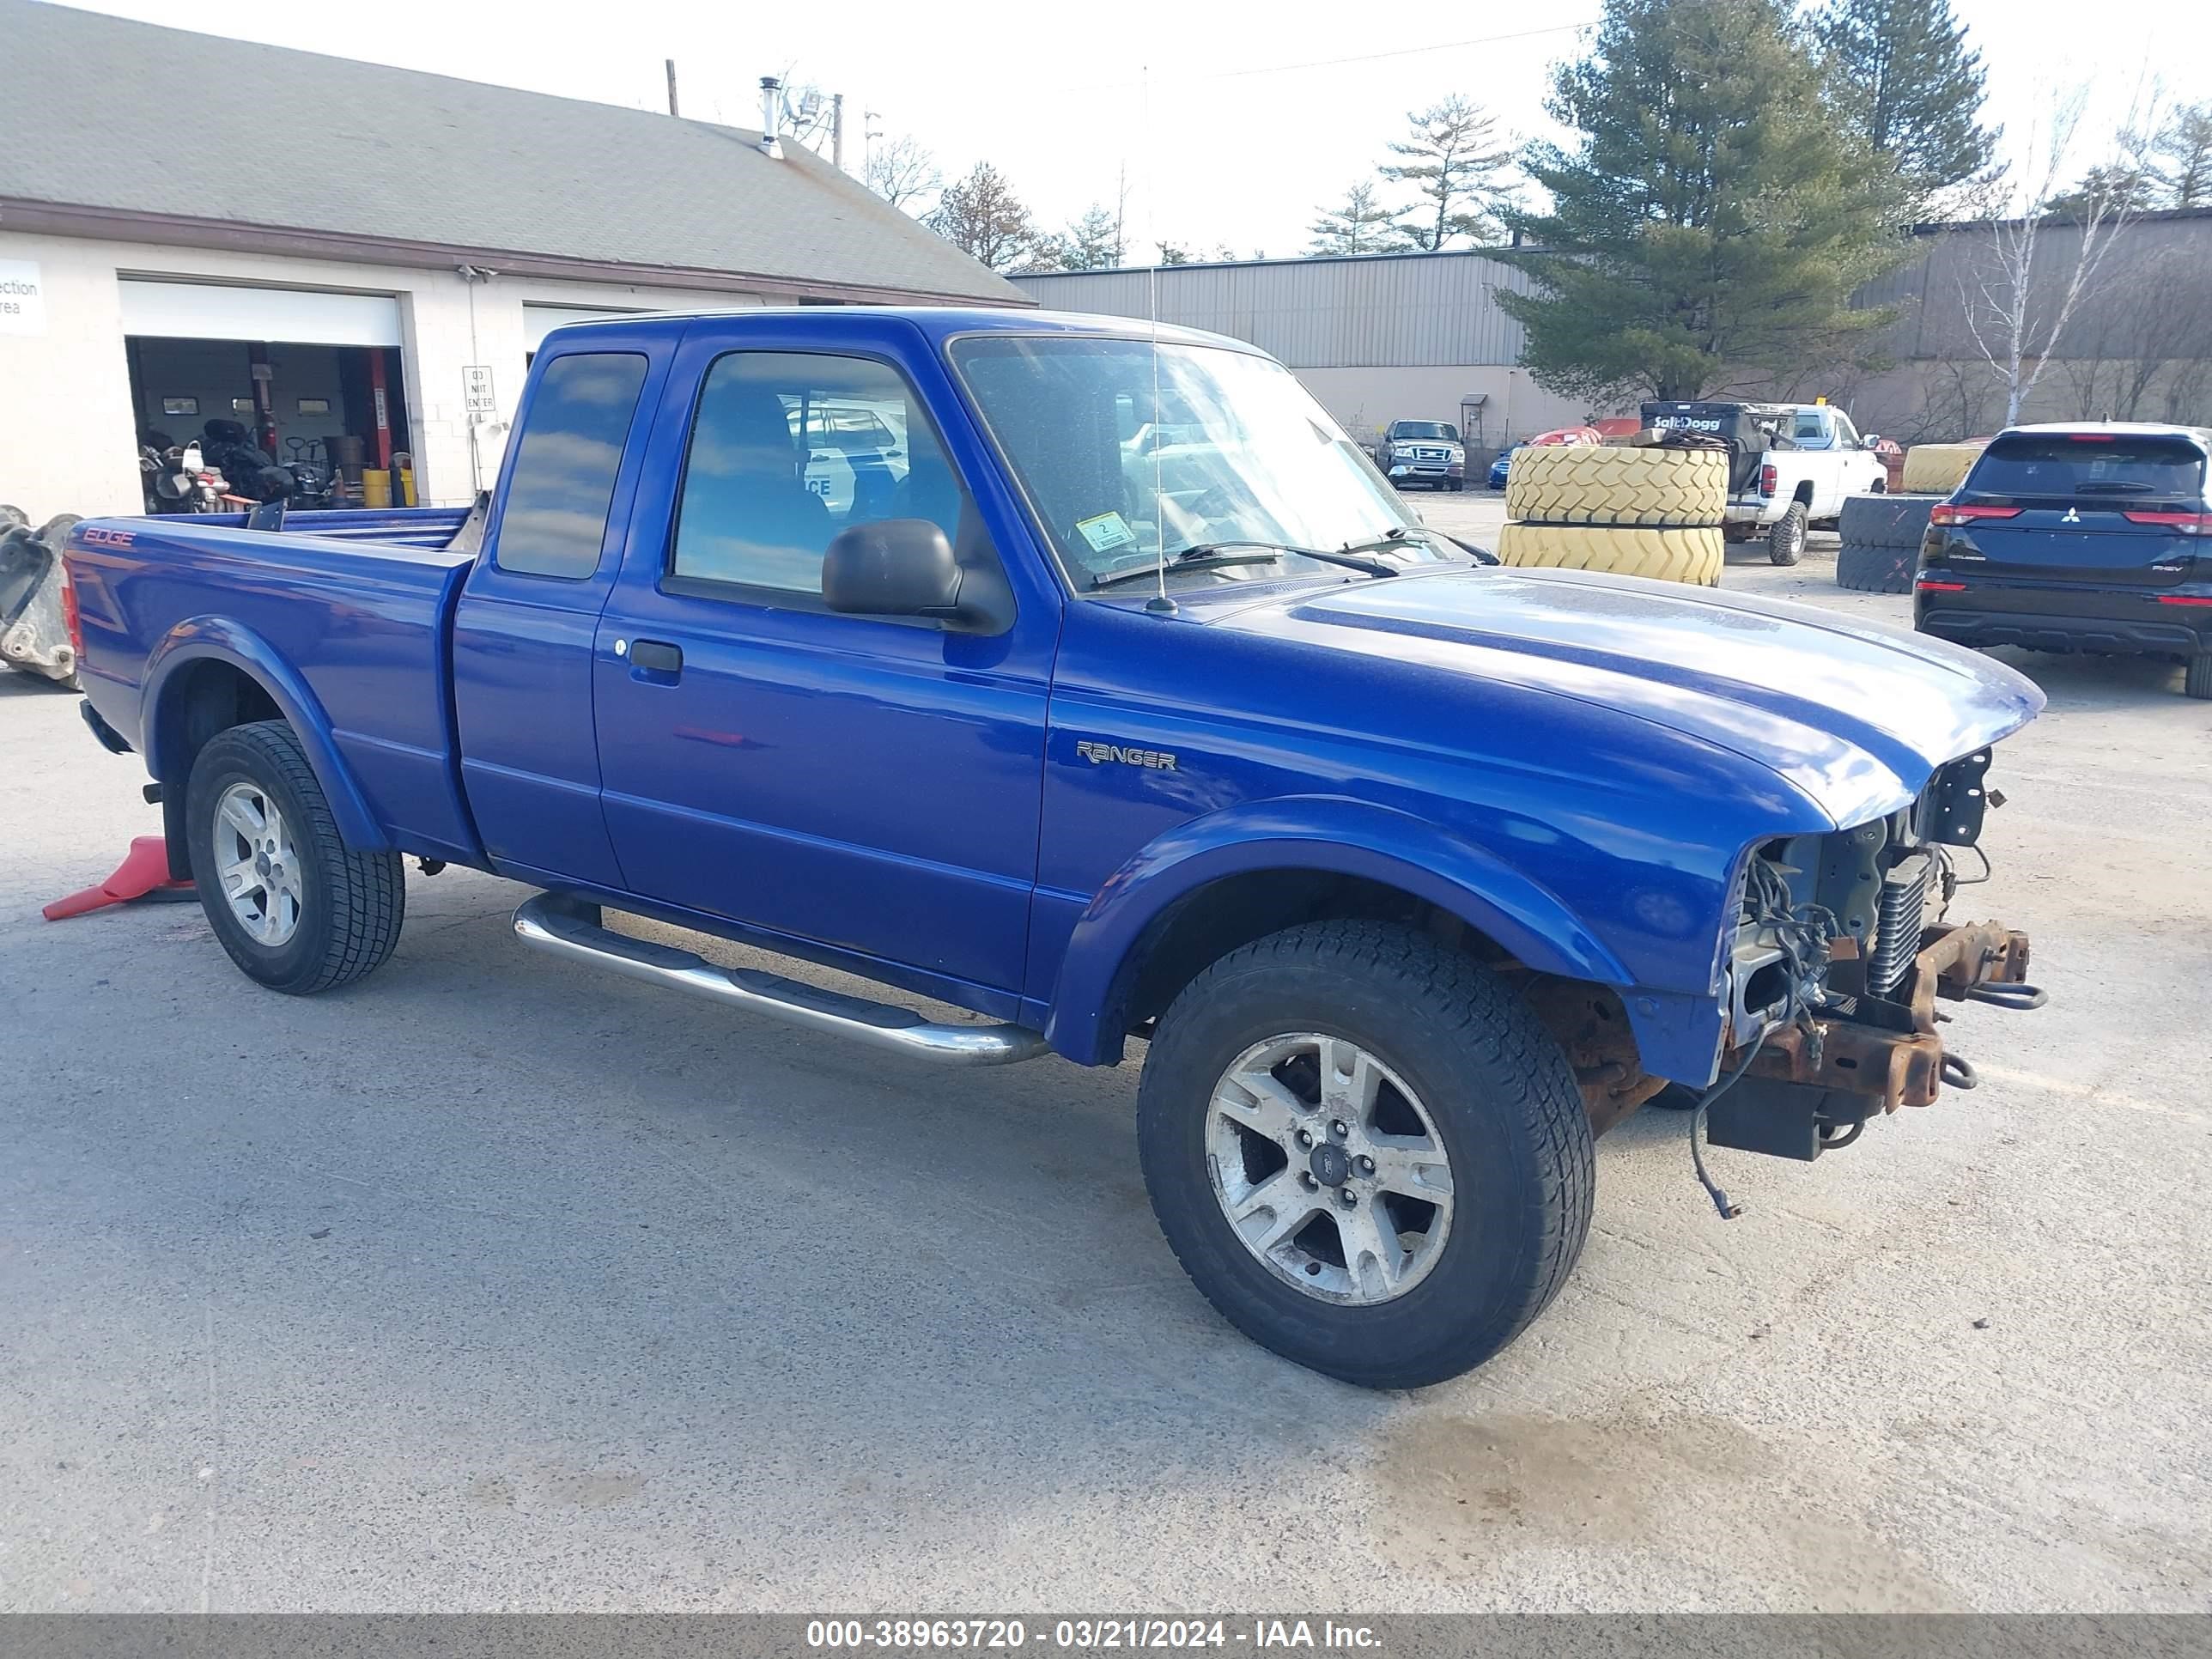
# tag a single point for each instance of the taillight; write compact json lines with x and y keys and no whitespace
{"x":2183,"y":599}
{"x":70,"y":619}
{"x":2182,"y":524}
{"x":1957,"y":512}
{"x":1769,"y":477}
{"x":1927,"y":587}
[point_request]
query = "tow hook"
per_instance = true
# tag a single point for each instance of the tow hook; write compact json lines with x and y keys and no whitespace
{"x":1958,"y":1071}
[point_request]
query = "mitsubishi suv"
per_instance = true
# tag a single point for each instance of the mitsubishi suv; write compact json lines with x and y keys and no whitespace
{"x":2080,"y":537}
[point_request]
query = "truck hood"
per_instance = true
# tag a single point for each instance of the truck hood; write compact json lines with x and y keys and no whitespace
{"x":1855,"y":715}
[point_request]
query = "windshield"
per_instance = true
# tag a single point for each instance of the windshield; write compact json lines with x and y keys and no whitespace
{"x":1424,"y":429}
{"x":1127,"y":452}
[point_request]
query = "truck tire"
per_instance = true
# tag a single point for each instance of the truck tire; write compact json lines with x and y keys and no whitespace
{"x":298,"y":910}
{"x":1873,"y":569}
{"x":1785,"y":541}
{"x":1885,"y":520}
{"x":1286,"y":1063}
{"x":1647,"y":488}
{"x":1937,"y":469}
{"x":2197,"y":678}
{"x":1691,"y":555}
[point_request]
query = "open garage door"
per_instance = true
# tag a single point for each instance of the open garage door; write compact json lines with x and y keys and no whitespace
{"x":311,"y":377}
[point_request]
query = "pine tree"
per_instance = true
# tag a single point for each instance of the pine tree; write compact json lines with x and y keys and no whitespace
{"x":1901,"y":72}
{"x":982,"y":218}
{"x":1360,"y":225}
{"x":1455,"y":162}
{"x":2183,"y":153}
{"x":1093,"y":242}
{"x":1709,"y":218}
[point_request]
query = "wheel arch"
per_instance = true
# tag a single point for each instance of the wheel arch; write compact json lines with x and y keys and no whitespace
{"x":1222,"y":881}
{"x":211,"y":674}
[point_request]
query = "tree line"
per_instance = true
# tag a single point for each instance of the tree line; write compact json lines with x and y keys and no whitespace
{"x":1731,"y":173}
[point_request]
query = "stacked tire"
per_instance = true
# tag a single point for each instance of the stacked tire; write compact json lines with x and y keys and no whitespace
{"x":1650,"y":510}
{"x":1936,"y":469}
{"x":1881,"y":541}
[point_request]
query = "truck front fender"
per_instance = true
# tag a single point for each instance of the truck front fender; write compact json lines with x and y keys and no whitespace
{"x":1297,"y":833}
{"x":203,"y":638}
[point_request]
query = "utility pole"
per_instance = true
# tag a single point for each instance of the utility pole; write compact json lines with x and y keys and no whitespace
{"x":837,"y":130}
{"x":671,"y":88}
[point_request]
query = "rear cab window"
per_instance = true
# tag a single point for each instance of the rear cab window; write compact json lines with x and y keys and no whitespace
{"x":564,"y":484}
{"x":2088,"y":466}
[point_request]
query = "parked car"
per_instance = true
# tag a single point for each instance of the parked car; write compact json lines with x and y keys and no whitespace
{"x":1500,"y":468}
{"x":1423,"y":451}
{"x":2076,"y":537}
{"x":1792,"y":465}
{"x":1412,"y":871}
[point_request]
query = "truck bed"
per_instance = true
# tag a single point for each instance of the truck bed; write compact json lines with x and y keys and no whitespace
{"x":344,"y":612}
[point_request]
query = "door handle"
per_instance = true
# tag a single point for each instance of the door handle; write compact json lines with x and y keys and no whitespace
{"x":656,"y":657}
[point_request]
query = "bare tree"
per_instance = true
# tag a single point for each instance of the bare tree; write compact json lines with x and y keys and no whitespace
{"x":981,"y":216}
{"x":2022,"y":287}
{"x":903,"y":172}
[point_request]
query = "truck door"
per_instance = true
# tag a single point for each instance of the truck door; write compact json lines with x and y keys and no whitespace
{"x":869,"y":786}
{"x":523,"y":632}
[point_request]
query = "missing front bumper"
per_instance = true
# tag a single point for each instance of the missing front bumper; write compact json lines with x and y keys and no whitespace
{"x":1811,"y":1084}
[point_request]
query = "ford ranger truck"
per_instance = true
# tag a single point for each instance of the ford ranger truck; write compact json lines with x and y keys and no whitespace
{"x":1407,"y":873}
{"x":1790,"y":467}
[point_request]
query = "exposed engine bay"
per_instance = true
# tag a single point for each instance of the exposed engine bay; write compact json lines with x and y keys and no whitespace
{"x":1840,"y":953}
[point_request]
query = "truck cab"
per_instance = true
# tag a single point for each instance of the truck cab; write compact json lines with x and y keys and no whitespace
{"x":1117,"y":698}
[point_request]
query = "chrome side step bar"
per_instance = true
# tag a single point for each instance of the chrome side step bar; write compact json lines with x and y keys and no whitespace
{"x":566,"y":928}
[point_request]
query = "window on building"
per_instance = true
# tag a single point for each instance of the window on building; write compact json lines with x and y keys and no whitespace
{"x":788,"y":449}
{"x":555,"y":518}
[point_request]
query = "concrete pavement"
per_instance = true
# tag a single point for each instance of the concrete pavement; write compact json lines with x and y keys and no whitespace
{"x":490,"y":1283}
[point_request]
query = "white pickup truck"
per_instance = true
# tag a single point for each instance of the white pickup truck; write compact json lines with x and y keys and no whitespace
{"x":1790,"y":465}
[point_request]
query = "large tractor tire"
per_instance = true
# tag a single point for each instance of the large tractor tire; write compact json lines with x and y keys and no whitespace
{"x":1937,"y":469}
{"x":1885,"y":520}
{"x":1870,"y":568}
{"x":1690,"y":554}
{"x":1652,"y":487}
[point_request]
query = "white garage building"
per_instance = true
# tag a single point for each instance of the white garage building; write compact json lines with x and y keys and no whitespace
{"x":196,"y":228}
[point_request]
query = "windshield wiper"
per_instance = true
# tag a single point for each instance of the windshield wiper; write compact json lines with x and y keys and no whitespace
{"x":1220,"y":556}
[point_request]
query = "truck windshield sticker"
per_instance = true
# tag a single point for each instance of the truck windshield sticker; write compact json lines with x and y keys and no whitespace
{"x":1105,"y":532}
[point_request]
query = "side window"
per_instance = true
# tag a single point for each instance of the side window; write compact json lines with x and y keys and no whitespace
{"x":564,"y":472}
{"x":1847,"y":435}
{"x":788,"y":449}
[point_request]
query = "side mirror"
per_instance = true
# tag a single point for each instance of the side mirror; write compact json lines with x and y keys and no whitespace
{"x":1872,"y":441}
{"x":892,"y":568}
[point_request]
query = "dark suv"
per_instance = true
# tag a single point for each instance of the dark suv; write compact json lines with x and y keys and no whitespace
{"x":2077,"y":538}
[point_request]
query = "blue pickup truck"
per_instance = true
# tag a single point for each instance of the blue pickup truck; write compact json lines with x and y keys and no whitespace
{"x":1126,"y":700}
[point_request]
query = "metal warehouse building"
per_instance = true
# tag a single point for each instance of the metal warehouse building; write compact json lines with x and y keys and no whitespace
{"x":335,"y":254}
{"x":1379,"y":337}
{"x":1376,"y":338}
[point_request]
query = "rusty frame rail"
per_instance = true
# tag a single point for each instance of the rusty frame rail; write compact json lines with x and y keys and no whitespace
{"x":1902,"y":1068}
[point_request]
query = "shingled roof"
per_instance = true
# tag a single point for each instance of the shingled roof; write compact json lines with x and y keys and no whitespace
{"x":295,"y":151}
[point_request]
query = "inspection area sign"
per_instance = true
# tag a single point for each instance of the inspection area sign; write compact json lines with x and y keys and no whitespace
{"x":22,"y":298}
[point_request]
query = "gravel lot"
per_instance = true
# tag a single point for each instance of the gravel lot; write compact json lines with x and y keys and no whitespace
{"x":494,"y":1283}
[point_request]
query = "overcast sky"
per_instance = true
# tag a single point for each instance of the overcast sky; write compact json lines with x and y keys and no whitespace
{"x":1234,"y":120}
